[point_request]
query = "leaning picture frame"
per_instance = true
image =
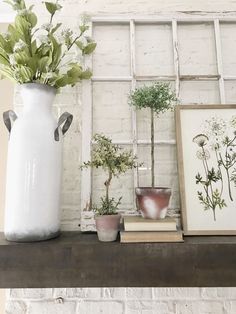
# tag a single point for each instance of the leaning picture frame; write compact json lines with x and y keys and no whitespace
{"x":206,"y":153}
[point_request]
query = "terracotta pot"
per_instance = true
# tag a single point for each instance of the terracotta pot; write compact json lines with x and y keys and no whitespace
{"x":107,"y":227}
{"x":153,"y":202}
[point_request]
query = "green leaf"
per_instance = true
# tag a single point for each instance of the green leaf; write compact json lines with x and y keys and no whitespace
{"x":5,"y":45}
{"x":33,"y":64}
{"x":54,"y":29}
{"x":52,"y":7}
{"x":57,"y":50}
{"x":4,"y":61}
{"x":43,"y":50}
{"x":21,"y":57}
{"x":23,"y":27}
{"x":83,"y":28}
{"x":79,"y":44}
{"x":62,"y":81}
{"x":32,"y":19}
{"x":15,"y":35}
{"x":16,"y":5}
{"x":85,"y":75}
{"x":43,"y":63}
{"x":34,"y":46}
{"x":75,"y":72}
{"x":26,"y":73}
{"x":89,"y":48}
{"x":7,"y":72}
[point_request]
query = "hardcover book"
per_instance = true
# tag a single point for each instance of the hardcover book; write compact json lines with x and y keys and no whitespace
{"x":138,"y":223}
{"x":151,"y":236}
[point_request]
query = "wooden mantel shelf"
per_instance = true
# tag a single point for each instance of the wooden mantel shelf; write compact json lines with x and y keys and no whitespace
{"x":80,"y":260}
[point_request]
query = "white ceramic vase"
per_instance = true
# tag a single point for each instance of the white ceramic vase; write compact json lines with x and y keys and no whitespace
{"x":34,"y":165}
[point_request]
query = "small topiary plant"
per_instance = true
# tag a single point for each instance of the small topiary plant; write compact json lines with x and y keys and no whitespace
{"x":159,"y":98}
{"x":114,"y":161}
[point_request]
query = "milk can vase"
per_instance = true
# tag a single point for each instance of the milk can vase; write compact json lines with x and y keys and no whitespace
{"x":34,"y":166}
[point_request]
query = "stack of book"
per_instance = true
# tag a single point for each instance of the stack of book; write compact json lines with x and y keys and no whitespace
{"x":138,"y":229}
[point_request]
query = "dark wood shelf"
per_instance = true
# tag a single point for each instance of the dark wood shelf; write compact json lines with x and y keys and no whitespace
{"x":80,"y":260}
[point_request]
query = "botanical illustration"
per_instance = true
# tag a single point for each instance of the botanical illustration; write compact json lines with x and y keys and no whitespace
{"x":216,"y":148}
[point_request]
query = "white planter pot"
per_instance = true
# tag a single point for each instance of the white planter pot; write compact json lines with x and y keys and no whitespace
{"x":32,"y":210}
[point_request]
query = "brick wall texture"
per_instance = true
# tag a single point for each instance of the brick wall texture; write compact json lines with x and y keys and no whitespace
{"x":129,"y":300}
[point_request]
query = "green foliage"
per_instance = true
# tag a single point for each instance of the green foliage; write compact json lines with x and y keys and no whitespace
{"x":212,"y":203}
{"x":107,"y":206}
{"x":52,"y":7}
{"x":159,"y":97}
{"x":110,"y":157}
{"x":114,"y":161}
{"x":43,"y":54}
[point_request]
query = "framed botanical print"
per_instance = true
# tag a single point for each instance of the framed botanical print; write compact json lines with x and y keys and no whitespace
{"x":206,"y":146}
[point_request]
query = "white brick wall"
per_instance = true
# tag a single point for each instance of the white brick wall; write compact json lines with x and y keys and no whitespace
{"x":119,"y":300}
{"x":122,"y":301}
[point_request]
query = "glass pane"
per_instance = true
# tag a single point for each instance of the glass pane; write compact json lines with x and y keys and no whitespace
{"x":112,"y":55}
{"x":228,"y":43}
{"x":197,"y":49}
{"x":230,"y":92}
{"x":111,"y":112}
{"x":164,"y":126}
{"x":165,"y":169}
{"x":154,"y":50}
{"x":122,"y":186}
{"x":199,"y":92}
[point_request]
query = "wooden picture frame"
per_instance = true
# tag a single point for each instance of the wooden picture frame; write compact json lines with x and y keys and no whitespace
{"x":193,"y":220}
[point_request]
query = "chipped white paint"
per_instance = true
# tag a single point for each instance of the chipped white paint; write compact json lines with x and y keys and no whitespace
{"x":133,"y":111}
{"x":219,"y":60}
{"x":176,"y":56}
{"x":86,"y":131}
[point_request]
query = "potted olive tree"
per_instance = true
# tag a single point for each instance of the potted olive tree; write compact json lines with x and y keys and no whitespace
{"x":153,"y":201}
{"x":114,"y":161}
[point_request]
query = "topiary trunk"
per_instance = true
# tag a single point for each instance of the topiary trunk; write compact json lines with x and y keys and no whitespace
{"x":152,"y":149}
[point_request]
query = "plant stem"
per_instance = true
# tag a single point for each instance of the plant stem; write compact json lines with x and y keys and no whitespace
{"x":107,"y":185}
{"x":152,"y":149}
{"x":51,"y":18}
{"x":214,"y":214}
{"x":68,"y":49}
{"x":221,"y":176}
{"x":229,"y":185}
{"x":227,"y":167}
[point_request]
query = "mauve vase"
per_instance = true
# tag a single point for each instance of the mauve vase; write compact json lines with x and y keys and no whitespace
{"x":153,"y":202}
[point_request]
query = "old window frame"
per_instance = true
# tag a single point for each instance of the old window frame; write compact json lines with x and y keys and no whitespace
{"x":87,"y":222}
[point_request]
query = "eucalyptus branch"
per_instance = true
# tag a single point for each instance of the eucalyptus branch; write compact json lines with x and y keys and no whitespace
{"x":37,"y":58}
{"x":64,"y":54}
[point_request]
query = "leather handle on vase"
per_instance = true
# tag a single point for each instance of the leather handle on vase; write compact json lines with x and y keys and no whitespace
{"x":9,"y":117}
{"x":65,"y":119}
